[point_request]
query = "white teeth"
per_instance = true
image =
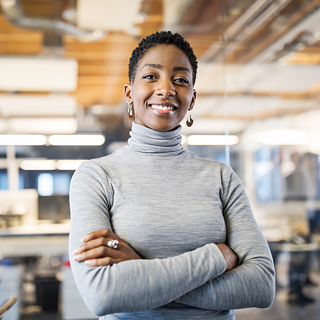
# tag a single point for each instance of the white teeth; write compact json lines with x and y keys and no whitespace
{"x":155,"y":106}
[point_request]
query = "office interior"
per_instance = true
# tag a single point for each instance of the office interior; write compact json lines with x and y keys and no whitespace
{"x":63,"y":64}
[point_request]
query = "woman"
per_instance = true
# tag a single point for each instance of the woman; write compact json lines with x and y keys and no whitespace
{"x":166,"y":235}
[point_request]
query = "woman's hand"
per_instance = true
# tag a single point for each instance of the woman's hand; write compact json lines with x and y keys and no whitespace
{"x":230,"y":257}
{"x":95,"y":251}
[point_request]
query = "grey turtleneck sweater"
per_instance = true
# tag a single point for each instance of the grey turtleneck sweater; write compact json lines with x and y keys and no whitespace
{"x":172,"y":208}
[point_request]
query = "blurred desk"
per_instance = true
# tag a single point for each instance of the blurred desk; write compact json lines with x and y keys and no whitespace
{"x":47,"y":239}
{"x":292,"y":247}
{"x":51,"y":240}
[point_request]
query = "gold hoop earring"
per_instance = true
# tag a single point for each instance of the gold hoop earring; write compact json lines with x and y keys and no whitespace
{"x":130,"y":112}
{"x":189,"y":122}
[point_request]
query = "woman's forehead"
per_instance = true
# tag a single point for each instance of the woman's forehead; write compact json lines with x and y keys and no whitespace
{"x":165,"y":54}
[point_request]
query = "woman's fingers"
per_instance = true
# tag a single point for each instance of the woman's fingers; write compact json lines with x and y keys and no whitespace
{"x":91,"y":244}
{"x":105,"y":233}
{"x":95,"y":253}
{"x":230,"y":257}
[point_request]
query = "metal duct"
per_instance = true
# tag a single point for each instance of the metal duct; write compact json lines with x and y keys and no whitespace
{"x":251,"y":21}
{"x":13,"y":12}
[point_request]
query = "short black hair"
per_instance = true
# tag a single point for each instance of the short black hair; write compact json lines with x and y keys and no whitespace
{"x":162,"y":37}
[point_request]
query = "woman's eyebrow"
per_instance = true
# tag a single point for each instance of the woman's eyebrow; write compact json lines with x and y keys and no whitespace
{"x":153,"y":65}
{"x":181,"y":69}
{"x":159,"y":66}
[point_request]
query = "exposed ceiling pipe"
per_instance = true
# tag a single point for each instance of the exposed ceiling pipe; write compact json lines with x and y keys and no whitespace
{"x":310,"y":24}
{"x":233,"y":30}
{"x":13,"y":12}
{"x":259,"y":20}
{"x":263,"y":19}
{"x":281,"y":31}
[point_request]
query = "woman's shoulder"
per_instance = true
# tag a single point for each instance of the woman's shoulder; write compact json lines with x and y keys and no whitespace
{"x":208,"y":162}
{"x":104,"y":160}
{"x":101,"y":164}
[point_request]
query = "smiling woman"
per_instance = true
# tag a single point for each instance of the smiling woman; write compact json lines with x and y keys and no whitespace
{"x":156,"y":232}
{"x":161,"y":93}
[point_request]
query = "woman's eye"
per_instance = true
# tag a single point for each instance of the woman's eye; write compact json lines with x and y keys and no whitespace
{"x":183,"y":80}
{"x":149,"y":76}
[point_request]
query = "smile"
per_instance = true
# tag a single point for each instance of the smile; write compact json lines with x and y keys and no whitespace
{"x":164,"y":109}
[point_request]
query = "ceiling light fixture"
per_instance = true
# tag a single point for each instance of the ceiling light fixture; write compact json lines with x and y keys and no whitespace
{"x":68,"y":164}
{"x":38,"y":164}
{"x":283,"y":137}
{"x":77,"y":140}
{"x":212,"y":140}
{"x":22,"y":140}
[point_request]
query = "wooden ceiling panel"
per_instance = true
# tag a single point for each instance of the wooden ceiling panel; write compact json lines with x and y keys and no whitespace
{"x":110,"y":95}
{"x":99,"y":46}
{"x":103,"y":69}
{"x":18,"y":41}
{"x":37,"y":8}
{"x":102,"y":80}
{"x":114,"y":56}
{"x":7,"y":28}
{"x":103,"y":65}
{"x":154,"y":11}
{"x":306,"y":58}
{"x":45,"y":8}
{"x":152,"y":7}
{"x":17,"y":48}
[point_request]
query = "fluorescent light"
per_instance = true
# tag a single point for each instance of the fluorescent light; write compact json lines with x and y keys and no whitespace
{"x":49,"y":105}
{"x":43,"y":125}
{"x":283,"y":137}
{"x":38,"y":164}
{"x":45,"y":164}
{"x":212,"y":140}
{"x":37,"y":74}
{"x":68,"y":164}
{"x":77,"y":140}
{"x":22,"y":140}
{"x":97,"y":14}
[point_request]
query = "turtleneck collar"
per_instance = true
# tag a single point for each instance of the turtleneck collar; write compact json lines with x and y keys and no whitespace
{"x":146,"y":140}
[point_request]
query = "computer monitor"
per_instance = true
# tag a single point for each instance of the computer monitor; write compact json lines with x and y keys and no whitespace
{"x":54,"y":208}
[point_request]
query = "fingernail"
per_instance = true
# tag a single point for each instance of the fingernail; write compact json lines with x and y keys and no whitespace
{"x":89,"y":262}
{"x":84,"y":238}
{"x":76,"y":251}
{"x":78,"y":257}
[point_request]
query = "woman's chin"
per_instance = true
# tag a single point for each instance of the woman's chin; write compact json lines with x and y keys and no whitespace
{"x":162,"y":126}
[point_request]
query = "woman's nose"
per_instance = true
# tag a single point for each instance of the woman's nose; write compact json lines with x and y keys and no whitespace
{"x":166,"y":89}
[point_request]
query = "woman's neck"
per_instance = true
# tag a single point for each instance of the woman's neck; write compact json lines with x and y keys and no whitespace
{"x":146,"y":140}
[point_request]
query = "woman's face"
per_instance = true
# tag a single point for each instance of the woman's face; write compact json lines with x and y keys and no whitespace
{"x":162,"y":91}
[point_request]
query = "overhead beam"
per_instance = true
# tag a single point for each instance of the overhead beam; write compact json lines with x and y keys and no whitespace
{"x":278,"y":33}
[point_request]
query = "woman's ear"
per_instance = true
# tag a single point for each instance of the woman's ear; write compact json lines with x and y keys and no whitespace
{"x":127,"y":93}
{"x":193,"y":100}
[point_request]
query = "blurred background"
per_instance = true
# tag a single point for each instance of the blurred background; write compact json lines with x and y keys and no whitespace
{"x":63,"y":64}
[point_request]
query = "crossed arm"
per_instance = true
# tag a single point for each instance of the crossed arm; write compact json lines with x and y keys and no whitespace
{"x":196,"y":278}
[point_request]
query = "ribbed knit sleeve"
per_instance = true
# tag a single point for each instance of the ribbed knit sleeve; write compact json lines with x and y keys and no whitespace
{"x":252,"y":283}
{"x":133,"y":285}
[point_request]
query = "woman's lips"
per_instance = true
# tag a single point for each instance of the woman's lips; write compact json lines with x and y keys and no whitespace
{"x":163,"y":109}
